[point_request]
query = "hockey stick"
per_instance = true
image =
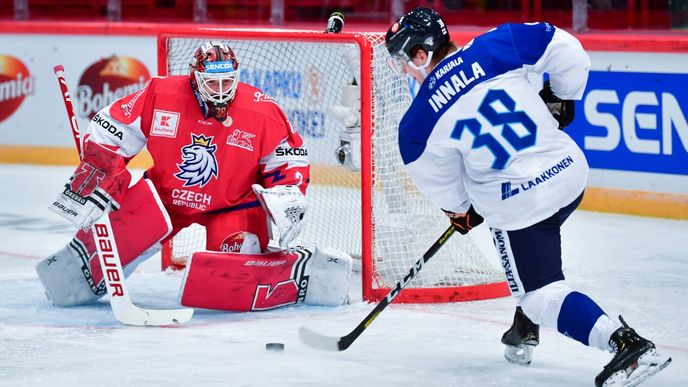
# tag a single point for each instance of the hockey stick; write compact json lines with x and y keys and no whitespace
{"x":335,"y":344}
{"x":122,"y":307}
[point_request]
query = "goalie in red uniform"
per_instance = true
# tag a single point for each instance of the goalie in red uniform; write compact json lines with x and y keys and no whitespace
{"x":224,"y":155}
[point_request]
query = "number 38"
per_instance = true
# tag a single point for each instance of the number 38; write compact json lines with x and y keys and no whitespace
{"x":495,"y":118}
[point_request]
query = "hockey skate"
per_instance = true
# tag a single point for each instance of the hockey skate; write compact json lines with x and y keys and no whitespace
{"x":520,"y":339}
{"x":635,"y":359}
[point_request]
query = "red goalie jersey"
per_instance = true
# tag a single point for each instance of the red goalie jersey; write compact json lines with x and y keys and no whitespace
{"x":202,"y":165}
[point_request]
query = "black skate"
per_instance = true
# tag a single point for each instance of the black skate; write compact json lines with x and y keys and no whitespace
{"x":520,"y":339}
{"x":635,"y":359}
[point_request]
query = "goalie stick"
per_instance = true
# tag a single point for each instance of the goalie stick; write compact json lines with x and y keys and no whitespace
{"x":122,"y":307}
{"x":328,"y":343}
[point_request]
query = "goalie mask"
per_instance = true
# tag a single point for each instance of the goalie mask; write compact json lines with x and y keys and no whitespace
{"x":215,"y":75}
{"x":420,"y":28}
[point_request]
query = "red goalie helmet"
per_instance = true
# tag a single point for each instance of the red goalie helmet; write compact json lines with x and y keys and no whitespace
{"x":215,"y":72}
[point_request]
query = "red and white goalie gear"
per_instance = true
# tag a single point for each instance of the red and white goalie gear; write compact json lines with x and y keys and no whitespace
{"x":285,"y":177}
{"x":253,"y":282}
{"x":287,"y":163}
{"x":72,"y":276}
{"x":286,"y":206}
{"x":96,"y":186}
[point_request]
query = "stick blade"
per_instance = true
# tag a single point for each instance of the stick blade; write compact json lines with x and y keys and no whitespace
{"x":318,"y":341}
{"x":147,"y":317}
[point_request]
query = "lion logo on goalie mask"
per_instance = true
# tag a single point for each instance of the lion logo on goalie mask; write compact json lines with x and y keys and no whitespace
{"x":199,"y":163}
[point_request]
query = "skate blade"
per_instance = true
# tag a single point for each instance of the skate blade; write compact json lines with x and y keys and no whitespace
{"x":648,"y":364}
{"x":521,"y":355}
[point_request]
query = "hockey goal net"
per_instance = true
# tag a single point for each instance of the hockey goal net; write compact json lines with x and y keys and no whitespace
{"x":376,"y":214}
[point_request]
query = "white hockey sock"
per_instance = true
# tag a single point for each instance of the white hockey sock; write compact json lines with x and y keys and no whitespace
{"x":602,"y":331}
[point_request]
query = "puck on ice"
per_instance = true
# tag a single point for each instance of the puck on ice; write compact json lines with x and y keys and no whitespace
{"x":274,"y":347}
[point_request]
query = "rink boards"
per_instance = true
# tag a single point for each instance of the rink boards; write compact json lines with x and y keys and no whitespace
{"x":631,"y":122}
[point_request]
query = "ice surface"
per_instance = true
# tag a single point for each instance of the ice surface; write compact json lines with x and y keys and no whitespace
{"x":632,"y":266}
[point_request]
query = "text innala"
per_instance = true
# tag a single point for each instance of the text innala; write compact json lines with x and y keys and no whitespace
{"x":454,"y":85}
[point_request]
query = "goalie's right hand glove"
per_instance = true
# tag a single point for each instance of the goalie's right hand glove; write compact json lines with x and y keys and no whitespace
{"x":96,"y":186}
{"x":561,"y":109}
{"x":463,"y":223}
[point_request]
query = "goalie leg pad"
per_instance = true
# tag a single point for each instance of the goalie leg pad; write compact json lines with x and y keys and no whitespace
{"x":254,"y":282}
{"x":66,"y":277}
{"x":138,"y":226}
{"x":330,"y":276}
{"x":244,"y":282}
{"x":73,"y":276}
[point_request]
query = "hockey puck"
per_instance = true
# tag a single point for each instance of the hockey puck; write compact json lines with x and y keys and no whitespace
{"x":275,"y":347}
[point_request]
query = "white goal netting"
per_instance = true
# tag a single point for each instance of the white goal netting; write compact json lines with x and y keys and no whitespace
{"x":306,"y":78}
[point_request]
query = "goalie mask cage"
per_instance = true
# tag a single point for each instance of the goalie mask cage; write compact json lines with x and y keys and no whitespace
{"x":376,"y":214}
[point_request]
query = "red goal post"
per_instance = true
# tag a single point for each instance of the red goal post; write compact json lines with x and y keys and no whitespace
{"x":376,"y":214}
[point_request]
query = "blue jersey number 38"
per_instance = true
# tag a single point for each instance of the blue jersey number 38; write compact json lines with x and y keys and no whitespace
{"x":503,"y":119}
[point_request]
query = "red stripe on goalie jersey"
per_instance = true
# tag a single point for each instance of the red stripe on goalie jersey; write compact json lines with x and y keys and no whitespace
{"x":287,"y":163}
{"x":249,"y":282}
{"x":201,"y":165}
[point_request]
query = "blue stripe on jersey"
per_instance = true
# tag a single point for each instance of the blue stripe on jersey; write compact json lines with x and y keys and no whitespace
{"x":503,"y":49}
{"x":577,"y":316}
{"x":237,"y":207}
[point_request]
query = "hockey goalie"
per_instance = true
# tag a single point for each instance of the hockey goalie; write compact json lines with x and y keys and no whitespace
{"x":225,"y":157}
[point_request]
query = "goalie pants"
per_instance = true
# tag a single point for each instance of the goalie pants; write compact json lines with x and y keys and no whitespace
{"x":249,"y":217}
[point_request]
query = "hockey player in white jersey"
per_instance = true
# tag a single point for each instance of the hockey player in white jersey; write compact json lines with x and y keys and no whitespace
{"x":482,"y":142}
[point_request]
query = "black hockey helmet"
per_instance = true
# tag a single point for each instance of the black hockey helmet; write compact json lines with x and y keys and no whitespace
{"x":419,"y":27}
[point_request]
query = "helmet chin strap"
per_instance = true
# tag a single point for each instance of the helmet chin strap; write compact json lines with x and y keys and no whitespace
{"x":218,"y":112}
{"x":423,"y":68}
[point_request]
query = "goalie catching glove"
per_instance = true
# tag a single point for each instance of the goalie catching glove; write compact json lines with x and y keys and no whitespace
{"x":286,"y":207}
{"x":562,"y":109}
{"x":96,"y":186}
{"x":463,"y":223}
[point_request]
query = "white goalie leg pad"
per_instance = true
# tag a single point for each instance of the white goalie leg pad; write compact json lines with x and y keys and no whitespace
{"x":329,"y":277}
{"x":66,"y":277}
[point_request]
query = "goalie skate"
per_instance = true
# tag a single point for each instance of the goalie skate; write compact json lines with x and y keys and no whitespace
{"x":635,"y":360}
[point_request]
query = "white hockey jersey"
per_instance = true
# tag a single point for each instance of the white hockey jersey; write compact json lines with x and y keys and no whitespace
{"x":478,"y":132}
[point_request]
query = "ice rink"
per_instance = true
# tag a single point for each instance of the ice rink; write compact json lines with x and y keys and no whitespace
{"x":633,"y":266}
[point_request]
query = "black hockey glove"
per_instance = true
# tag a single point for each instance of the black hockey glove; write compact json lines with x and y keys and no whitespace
{"x":463,"y":223}
{"x":562,"y":109}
